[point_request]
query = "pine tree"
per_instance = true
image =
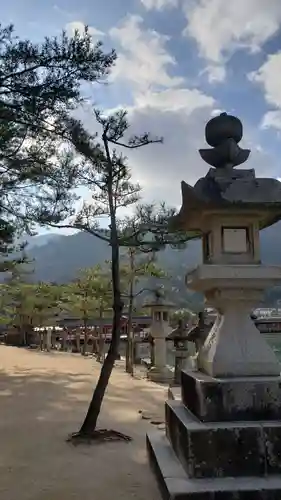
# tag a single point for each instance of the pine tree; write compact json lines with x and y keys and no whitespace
{"x":87,"y":297}
{"x":135,"y":266}
{"x":105,"y":173}
{"x":103,"y":170}
{"x":39,"y":85}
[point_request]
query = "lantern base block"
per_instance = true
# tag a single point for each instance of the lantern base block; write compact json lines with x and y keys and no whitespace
{"x":175,"y":484}
{"x":222,"y":440}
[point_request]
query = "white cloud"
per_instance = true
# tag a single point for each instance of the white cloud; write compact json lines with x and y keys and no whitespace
{"x":267,"y":76}
{"x":220,"y":27}
{"x":143,"y":61}
{"x":159,"y":4}
{"x":272,"y":119}
{"x":180,"y":116}
{"x":165,"y":106}
{"x":161,"y":168}
{"x":173,"y":100}
{"x":216,"y":73}
{"x":80,"y":27}
{"x":217,"y":111}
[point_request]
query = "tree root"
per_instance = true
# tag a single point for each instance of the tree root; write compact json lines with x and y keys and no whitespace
{"x":98,"y":436}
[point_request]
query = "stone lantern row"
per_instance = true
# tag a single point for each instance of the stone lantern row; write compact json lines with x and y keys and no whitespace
{"x":181,"y":337}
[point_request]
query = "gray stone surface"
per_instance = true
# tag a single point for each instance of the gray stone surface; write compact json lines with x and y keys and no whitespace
{"x":237,"y":399}
{"x":174,"y":392}
{"x":229,"y":187}
{"x":221,"y":449}
{"x":174,"y":484}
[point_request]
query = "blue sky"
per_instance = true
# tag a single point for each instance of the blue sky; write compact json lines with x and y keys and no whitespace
{"x":180,"y":61}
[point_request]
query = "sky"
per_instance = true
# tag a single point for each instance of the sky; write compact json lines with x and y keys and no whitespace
{"x":179,"y":63}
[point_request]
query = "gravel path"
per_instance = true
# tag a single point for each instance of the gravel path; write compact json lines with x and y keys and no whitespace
{"x":43,"y":398}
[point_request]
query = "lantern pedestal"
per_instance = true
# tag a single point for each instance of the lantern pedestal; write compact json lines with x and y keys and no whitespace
{"x":234,"y":346}
{"x":223,"y":440}
{"x":160,"y":372}
{"x":235,"y":457}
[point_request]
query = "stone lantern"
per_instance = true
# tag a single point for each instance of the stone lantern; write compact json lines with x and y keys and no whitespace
{"x":228,"y":208}
{"x":179,"y":336}
{"x":223,"y":437}
{"x":159,"y":329}
{"x":198,"y":333}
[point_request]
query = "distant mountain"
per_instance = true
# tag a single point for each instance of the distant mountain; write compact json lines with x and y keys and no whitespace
{"x":59,"y":257}
{"x":41,"y":239}
{"x":271,"y":244}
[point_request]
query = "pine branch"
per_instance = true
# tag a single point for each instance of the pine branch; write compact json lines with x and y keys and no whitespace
{"x":135,"y":146}
{"x":81,"y":227}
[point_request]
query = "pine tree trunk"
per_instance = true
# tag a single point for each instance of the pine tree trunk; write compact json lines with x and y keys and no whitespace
{"x":90,"y":422}
{"x":24,"y":337}
{"x":100,"y":339}
{"x":85,"y":345}
{"x":49,"y":340}
{"x":130,"y":338}
{"x":95,"y":342}
{"x":101,"y":343}
{"x":130,"y":335}
{"x":64,"y":341}
{"x":77,"y":337}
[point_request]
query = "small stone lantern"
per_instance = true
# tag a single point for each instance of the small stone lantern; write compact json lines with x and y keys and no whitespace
{"x":179,"y":336}
{"x":159,"y":371}
{"x":198,"y":335}
{"x":137,"y":345}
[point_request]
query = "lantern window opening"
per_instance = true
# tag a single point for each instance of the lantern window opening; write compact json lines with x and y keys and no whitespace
{"x":235,"y":239}
{"x":207,"y":246}
{"x":157,"y":316}
{"x":165,"y":316}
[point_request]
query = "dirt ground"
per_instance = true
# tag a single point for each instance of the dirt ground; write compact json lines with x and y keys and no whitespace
{"x":43,"y":398}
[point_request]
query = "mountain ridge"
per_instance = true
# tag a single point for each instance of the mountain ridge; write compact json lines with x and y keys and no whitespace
{"x":59,"y":258}
{"x":62,"y":256}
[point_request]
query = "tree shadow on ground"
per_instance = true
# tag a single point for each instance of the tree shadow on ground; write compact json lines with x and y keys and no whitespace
{"x":51,"y":395}
{"x":40,"y":408}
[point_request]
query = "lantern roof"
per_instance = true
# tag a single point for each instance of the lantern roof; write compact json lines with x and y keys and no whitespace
{"x":158,"y":300}
{"x":178,"y":333}
{"x":225,"y":188}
